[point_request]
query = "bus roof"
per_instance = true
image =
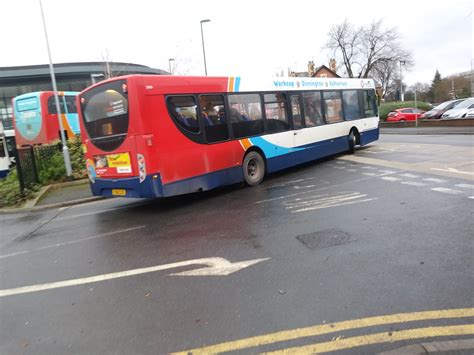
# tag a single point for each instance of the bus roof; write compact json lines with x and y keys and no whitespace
{"x":164,"y":84}
{"x":38,"y":93}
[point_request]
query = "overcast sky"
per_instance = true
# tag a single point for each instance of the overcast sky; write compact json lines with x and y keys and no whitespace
{"x":246,"y":37}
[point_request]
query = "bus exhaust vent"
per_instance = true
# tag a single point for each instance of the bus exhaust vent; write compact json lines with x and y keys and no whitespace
{"x":324,"y":239}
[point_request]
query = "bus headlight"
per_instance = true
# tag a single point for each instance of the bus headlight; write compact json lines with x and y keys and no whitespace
{"x":141,"y":167}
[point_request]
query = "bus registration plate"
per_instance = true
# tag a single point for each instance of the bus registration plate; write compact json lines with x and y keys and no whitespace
{"x":119,"y":192}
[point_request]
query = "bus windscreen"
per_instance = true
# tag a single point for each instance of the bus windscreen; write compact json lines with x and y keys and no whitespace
{"x":105,"y":114}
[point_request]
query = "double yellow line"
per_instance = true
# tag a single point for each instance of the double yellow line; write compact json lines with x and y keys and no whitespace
{"x":340,"y":344}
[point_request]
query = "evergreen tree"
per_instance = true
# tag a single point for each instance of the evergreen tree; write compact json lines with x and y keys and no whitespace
{"x":434,"y":84}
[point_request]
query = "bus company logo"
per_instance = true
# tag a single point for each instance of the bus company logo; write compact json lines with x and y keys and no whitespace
{"x":365,"y":83}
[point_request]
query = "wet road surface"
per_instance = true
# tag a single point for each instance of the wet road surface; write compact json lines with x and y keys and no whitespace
{"x":336,"y":240}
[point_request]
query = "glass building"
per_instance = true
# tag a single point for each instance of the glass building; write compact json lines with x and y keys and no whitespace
{"x":15,"y":81}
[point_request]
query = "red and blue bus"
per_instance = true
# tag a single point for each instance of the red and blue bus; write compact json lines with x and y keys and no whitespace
{"x":35,"y":117}
{"x":158,"y":136}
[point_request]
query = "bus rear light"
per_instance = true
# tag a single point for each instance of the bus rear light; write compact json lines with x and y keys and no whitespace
{"x":141,"y":167}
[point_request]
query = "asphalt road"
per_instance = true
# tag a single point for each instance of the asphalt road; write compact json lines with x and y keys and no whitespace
{"x":386,"y":233}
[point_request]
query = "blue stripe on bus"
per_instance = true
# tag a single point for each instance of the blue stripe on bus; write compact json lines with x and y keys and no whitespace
{"x":237,"y":84}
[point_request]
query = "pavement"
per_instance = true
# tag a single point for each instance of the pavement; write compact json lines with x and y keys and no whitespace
{"x":427,"y":130}
{"x":57,"y":195}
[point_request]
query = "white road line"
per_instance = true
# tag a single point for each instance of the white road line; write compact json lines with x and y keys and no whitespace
{"x":453,"y":170}
{"x":471,"y":197}
{"x":92,"y":213}
{"x":303,"y":187}
{"x":413,"y":183}
{"x":390,"y":178}
{"x":71,"y":242}
{"x":352,"y":170}
{"x":332,"y":205}
{"x":439,"y":181}
{"x":371,"y":174}
{"x":387,"y":171}
{"x":215,"y":267}
{"x":465,"y":186}
{"x":411,"y":176}
{"x":316,"y":202}
{"x":369,"y":167}
{"x":446,"y":190}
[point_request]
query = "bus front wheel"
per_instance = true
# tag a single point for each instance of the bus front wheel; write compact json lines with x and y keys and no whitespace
{"x":253,"y":168}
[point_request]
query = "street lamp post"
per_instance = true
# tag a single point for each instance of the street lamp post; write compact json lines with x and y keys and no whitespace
{"x":203,"y":50}
{"x":169,"y":64}
{"x":67,"y":159}
{"x":402,"y":95}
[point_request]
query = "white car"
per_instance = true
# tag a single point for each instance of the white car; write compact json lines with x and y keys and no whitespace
{"x":460,"y":110}
{"x":469,"y":113}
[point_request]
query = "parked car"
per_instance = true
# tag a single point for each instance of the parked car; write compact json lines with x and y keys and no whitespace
{"x":460,"y":109}
{"x":438,"y":110}
{"x":404,"y":114}
{"x":469,"y":114}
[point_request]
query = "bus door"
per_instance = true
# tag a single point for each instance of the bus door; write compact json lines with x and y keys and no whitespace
{"x":297,"y":117}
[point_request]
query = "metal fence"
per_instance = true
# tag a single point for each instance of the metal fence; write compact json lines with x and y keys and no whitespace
{"x":30,"y":161}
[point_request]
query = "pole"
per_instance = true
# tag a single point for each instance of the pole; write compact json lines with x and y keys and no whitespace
{"x":416,"y":109}
{"x":169,"y":65}
{"x":203,"y":48}
{"x":67,"y":159}
{"x":402,"y":96}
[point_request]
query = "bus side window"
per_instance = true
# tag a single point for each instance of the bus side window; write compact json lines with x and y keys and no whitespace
{"x":214,"y":118}
{"x":312,"y":109}
{"x":350,"y":101}
{"x":52,"y":105}
{"x":370,"y":109}
{"x":183,"y":109}
{"x":296,"y":112}
{"x":245,"y":115}
{"x":275,"y":113}
{"x":71,"y":104}
{"x":333,"y":106}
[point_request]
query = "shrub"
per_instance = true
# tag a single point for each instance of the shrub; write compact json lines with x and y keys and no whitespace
{"x":77,"y":158}
{"x":385,"y":108}
{"x":54,"y":170}
{"x":10,"y":194}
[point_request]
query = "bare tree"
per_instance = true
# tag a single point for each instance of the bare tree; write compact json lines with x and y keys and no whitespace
{"x":386,"y":74}
{"x":107,"y":63}
{"x":345,"y":38}
{"x":367,"y":49}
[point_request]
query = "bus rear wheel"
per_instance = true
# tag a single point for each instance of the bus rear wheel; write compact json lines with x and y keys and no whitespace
{"x":253,"y":168}
{"x":352,"y":141}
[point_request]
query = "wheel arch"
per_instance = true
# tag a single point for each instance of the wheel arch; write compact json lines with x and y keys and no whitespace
{"x":356,"y":133}
{"x":259,"y":150}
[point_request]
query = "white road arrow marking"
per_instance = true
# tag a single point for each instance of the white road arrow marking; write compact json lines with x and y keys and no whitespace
{"x":214,"y":267}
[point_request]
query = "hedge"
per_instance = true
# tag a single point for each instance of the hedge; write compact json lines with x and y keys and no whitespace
{"x":385,"y":108}
{"x":55,"y":171}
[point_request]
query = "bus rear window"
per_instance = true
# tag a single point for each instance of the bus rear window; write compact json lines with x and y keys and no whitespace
{"x":105,"y":114}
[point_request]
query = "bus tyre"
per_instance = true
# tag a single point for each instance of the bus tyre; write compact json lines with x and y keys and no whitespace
{"x":253,"y":168}
{"x":352,"y":142}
